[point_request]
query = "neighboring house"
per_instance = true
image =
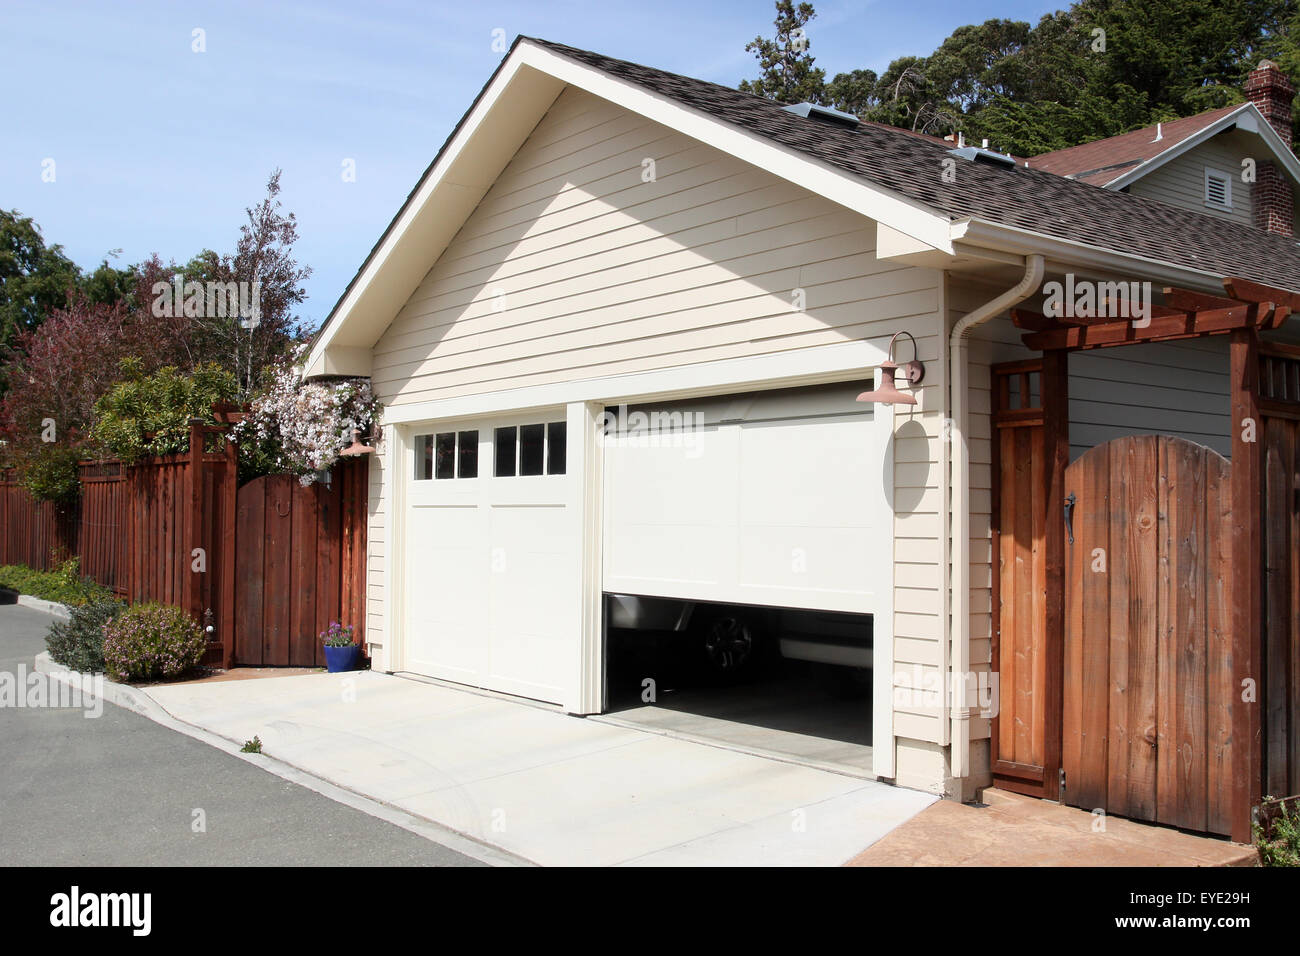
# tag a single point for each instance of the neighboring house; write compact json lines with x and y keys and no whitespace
{"x":1234,"y":163}
{"x":598,"y":235}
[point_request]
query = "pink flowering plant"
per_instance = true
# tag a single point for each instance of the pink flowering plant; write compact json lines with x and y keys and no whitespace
{"x":151,"y":642}
{"x":337,"y":635}
{"x":302,"y":426}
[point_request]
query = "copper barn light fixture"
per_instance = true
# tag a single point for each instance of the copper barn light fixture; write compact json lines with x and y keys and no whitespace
{"x":356,"y":449}
{"x":888,"y":393}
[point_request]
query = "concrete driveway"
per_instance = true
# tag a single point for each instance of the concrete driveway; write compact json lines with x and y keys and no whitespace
{"x":554,"y":789}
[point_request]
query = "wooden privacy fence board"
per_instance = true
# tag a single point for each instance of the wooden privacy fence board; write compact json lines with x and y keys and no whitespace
{"x":299,"y":553}
{"x":1147,"y":729}
{"x":1280,"y":688}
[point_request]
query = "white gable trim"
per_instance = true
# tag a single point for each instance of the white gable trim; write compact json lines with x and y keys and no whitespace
{"x":511,"y":105}
{"x":1246,"y":117}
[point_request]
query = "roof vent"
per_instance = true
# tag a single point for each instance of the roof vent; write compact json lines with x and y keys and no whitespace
{"x":977,"y":154}
{"x":823,"y":114}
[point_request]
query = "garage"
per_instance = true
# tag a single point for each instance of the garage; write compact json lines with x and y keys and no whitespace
{"x":743,"y":570}
{"x":492,"y":538}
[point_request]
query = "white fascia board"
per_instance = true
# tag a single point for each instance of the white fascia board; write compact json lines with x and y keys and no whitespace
{"x":971,"y":235}
{"x":1247,"y":117}
{"x":843,"y":361}
{"x":839,"y":186}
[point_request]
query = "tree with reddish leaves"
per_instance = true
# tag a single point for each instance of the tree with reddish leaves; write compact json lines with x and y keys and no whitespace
{"x":56,"y":373}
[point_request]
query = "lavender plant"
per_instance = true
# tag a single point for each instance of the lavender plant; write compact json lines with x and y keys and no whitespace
{"x":337,"y":635}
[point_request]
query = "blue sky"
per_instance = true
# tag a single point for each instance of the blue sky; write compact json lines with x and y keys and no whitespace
{"x":158,"y":148}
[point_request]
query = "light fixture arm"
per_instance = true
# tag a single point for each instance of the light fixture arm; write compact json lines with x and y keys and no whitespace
{"x":913,"y":371}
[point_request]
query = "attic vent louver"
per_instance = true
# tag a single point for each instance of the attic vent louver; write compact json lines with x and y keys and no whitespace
{"x":976,"y":154}
{"x":822,"y":114}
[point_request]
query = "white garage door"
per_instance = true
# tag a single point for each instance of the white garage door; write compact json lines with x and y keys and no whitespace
{"x":493,"y":588}
{"x":771,"y":498}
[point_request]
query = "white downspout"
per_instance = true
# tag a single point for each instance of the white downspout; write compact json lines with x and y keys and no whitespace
{"x":959,"y":548}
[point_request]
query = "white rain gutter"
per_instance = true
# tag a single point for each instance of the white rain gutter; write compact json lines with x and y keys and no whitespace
{"x":959,"y":601}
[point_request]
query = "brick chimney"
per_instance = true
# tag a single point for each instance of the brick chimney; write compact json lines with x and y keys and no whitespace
{"x":1271,"y":92}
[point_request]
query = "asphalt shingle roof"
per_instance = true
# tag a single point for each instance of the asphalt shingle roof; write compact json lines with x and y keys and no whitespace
{"x":1105,"y":160}
{"x":1027,"y":198}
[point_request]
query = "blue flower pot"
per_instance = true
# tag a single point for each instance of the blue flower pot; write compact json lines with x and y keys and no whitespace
{"x":344,"y":658}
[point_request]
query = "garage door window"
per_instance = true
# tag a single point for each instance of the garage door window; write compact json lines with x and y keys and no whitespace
{"x":534,"y":449}
{"x":446,"y":455}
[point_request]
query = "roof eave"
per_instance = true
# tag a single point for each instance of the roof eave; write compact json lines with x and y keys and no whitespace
{"x":974,"y":237}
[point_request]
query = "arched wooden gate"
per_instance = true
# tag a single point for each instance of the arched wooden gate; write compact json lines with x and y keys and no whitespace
{"x":1148,"y":689}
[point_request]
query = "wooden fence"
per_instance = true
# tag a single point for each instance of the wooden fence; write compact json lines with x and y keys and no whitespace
{"x":300,"y":565}
{"x":169,"y":530}
{"x":1280,"y":725}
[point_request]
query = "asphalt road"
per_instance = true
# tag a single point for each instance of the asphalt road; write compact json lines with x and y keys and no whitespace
{"x":120,"y":790}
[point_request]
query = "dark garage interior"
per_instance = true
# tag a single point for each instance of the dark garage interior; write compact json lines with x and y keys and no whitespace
{"x":788,"y":683}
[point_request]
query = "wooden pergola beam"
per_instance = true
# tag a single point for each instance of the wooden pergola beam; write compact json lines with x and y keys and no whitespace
{"x":1240,"y":315}
{"x":1106,"y":314}
{"x":1248,"y":291}
{"x":1187,"y":301}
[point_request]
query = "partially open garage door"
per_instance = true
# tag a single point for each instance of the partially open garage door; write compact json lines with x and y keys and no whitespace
{"x":768,"y":498}
{"x":492,"y":586}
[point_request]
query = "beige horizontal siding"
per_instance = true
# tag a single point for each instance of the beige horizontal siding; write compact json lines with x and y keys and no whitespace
{"x":572,"y":267}
{"x":1181,"y":181}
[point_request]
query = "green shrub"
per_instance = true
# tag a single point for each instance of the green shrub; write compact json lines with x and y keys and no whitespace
{"x":50,"y":473}
{"x":1279,"y":843}
{"x":79,"y":643}
{"x":65,"y":584}
{"x":150,"y":414}
{"x":152,"y":641}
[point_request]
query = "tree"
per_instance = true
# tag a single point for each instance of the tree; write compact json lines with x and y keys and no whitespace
{"x":58,"y":371}
{"x":264,"y":266}
{"x":34,"y":278}
{"x":854,"y":92}
{"x":1096,"y":69}
{"x":786,"y":72}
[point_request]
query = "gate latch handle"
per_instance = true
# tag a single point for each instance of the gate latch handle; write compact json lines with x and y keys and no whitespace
{"x":1069,"y":516}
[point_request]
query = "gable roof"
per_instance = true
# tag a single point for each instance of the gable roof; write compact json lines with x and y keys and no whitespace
{"x":1022,"y":197}
{"x":1103,"y":161}
{"x":890,"y":175}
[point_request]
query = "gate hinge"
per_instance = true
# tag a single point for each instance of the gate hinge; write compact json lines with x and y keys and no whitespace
{"x":1060,"y":789}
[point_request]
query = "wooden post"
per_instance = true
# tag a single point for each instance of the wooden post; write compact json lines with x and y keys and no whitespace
{"x":1246,"y":578}
{"x":193,"y":589}
{"x":229,"y":496}
{"x":1055,"y":395}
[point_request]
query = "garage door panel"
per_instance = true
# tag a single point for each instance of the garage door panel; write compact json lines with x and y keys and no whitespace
{"x":810,"y":468}
{"x":493,"y":586}
{"x":703,"y":475}
{"x":665,"y":555}
{"x":770,"y":505}
{"x":810,"y":565}
{"x":446,"y":580}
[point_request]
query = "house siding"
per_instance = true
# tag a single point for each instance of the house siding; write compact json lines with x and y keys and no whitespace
{"x":573,"y":268}
{"x":1181,"y":181}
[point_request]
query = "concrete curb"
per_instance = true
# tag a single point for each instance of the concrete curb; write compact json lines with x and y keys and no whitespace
{"x":138,"y":701}
{"x":61,"y":611}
